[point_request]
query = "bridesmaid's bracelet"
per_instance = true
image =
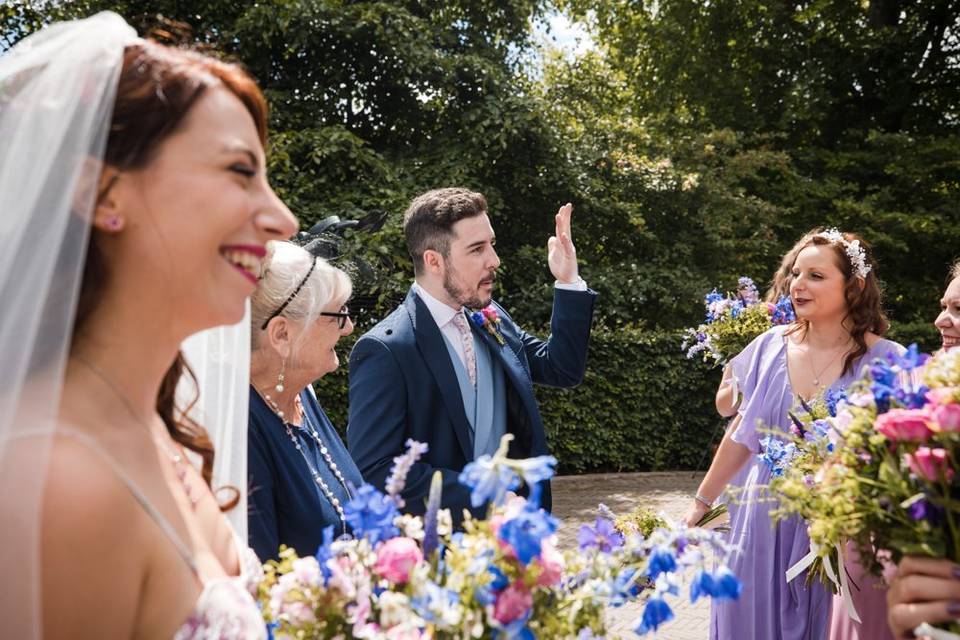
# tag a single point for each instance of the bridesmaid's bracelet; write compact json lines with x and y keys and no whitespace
{"x":707,"y":503}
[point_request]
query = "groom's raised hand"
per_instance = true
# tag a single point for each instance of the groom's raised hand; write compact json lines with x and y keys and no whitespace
{"x":561,"y":254}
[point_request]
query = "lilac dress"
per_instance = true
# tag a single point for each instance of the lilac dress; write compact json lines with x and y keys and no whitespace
{"x":769,"y":608}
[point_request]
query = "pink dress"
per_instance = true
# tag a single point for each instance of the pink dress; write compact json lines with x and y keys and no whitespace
{"x":870,"y":601}
{"x":226,"y":609}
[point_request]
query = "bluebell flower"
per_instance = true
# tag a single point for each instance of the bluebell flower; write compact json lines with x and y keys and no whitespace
{"x":726,"y":585}
{"x":370,"y":514}
{"x":656,"y":613}
{"x":783,"y":311}
{"x":624,"y":588}
{"x":603,"y":535}
{"x":702,"y":584}
{"x":534,"y":470}
{"x":488,"y":480}
{"x":525,"y":533}
{"x":661,"y":560}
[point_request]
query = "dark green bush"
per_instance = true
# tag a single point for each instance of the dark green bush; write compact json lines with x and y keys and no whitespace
{"x":643,"y":406}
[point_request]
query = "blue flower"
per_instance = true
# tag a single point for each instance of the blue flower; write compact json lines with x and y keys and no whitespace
{"x":727,"y":586}
{"x":488,"y":480}
{"x":923,"y":509}
{"x":477,"y":318}
{"x":783,"y":311}
{"x":487,"y":594}
{"x":538,"y":469}
{"x":324,"y":553}
{"x":603,"y":535}
{"x":433,"y":601}
{"x":656,"y":613}
{"x":776,"y":455}
{"x":702,"y":584}
{"x":516,"y":630}
{"x":525,"y":533}
{"x":912,"y":358}
{"x":370,"y":514}
{"x":661,"y":560}
{"x":624,"y":588}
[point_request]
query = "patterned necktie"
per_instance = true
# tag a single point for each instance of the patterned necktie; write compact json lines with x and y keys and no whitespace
{"x":466,"y":339}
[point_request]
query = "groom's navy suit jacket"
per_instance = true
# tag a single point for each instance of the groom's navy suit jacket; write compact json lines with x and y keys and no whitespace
{"x":403,"y":385}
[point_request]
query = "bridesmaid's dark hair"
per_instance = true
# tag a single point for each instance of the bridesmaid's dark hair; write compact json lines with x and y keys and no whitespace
{"x":863,"y":294}
{"x":158,"y":86}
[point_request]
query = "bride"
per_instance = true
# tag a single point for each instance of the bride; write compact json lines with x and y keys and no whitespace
{"x":135,"y":211}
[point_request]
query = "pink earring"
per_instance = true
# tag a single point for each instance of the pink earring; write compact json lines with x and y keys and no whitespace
{"x":114,"y":223}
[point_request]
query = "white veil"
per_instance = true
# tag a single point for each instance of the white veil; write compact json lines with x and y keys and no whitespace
{"x":220,"y":359}
{"x":57,"y":90}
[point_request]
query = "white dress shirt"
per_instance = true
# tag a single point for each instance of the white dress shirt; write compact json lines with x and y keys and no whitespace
{"x":443,"y":313}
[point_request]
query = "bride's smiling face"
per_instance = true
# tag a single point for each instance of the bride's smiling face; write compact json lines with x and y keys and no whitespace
{"x":197,"y":216}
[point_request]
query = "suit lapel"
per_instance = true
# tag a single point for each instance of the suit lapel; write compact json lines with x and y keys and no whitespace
{"x":506,"y":355}
{"x":434,"y":351}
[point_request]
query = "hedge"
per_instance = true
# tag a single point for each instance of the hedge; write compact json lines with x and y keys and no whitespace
{"x":642,"y":406}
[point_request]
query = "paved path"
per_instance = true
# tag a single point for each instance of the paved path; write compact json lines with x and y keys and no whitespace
{"x":574,"y":501}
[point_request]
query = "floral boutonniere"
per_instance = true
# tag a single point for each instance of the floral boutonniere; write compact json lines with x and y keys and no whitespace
{"x":487,"y":318}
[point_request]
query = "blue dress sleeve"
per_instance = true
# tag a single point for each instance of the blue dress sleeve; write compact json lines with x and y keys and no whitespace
{"x":262,"y":527}
{"x":761,"y":379}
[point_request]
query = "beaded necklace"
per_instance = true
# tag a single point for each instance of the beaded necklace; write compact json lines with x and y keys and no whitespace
{"x":310,"y":430}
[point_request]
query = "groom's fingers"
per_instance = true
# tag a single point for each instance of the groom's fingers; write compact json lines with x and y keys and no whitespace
{"x":563,"y":219}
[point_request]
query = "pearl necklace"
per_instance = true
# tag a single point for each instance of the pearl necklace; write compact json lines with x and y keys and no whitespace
{"x":310,"y":430}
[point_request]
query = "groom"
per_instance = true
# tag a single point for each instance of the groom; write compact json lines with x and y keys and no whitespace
{"x":433,"y":373}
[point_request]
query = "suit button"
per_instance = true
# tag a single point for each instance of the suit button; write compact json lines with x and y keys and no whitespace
{"x":389,"y":332}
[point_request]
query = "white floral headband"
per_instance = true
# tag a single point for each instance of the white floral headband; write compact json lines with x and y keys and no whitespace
{"x":856,"y":253}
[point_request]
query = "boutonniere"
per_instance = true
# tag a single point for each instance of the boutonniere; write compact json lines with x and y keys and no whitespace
{"x":488,"y":318}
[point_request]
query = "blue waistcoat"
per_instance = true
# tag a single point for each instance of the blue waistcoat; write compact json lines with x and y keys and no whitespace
{"x":485,"y":406}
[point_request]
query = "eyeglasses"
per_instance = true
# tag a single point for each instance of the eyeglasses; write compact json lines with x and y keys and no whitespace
{"x":342,"y":316}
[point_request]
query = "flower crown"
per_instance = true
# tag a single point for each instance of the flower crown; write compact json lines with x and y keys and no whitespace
{"x":856,"y":253}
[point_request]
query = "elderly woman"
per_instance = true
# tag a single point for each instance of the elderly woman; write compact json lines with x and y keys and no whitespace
{"x":301,"y":475}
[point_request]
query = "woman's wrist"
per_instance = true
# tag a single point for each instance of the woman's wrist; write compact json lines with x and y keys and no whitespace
{"x":703,"y":501}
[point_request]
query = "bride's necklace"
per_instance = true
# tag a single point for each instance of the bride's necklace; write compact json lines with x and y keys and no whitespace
{"x":312,"y":432}
{"x":176,"y":458}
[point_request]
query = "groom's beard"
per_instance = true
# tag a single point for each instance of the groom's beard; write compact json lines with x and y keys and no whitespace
{"x":468,"y":299}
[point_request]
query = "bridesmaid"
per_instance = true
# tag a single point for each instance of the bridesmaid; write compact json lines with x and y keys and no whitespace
{"x":836,"y":297}
{"x":928,"y":589}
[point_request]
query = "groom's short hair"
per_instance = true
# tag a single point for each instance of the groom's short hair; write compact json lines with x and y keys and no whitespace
{"x":428,"y":221}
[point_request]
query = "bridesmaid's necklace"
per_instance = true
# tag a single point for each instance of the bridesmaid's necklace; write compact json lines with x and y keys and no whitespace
{"x":312,"y":432}
{"x":813,"y":369}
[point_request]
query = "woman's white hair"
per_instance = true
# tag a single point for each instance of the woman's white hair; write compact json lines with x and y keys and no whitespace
{"x":283,"y":269}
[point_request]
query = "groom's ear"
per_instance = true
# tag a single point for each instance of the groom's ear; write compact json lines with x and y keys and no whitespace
{"x":432,"y":261}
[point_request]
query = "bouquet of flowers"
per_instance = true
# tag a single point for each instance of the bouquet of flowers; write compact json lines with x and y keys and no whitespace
{"x":733,"y":321}
{"x":501,"y":577}
{"x":879,"y":470}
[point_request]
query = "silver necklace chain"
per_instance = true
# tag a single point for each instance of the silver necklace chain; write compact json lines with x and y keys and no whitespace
{"x":177,"y":458}
{"x":312,"y":432}
{"x":813,"y":369}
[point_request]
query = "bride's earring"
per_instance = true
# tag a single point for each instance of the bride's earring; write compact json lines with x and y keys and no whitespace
{"x":283,"y":367}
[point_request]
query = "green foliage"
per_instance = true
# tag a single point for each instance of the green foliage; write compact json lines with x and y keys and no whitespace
{"x":642,"y":407}
{"x":641,"y":520}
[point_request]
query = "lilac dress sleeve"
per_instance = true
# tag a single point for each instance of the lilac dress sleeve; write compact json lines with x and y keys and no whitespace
{"x":760,"y":373}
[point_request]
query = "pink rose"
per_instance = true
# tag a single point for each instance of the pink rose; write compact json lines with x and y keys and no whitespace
{"x":490,"y":313}
{"x":396,"y":558}
{"x":930,"y":464}
{"x":946,"y":417}
{"x":904,"y":424}
{"x":552,"y":563}
{"x":512,"y":604}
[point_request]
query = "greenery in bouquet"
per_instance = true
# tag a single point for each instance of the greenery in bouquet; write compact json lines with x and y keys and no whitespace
{"x":733,"y":321}
{"x":879,"y":470}
{"x":501,"y":577}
